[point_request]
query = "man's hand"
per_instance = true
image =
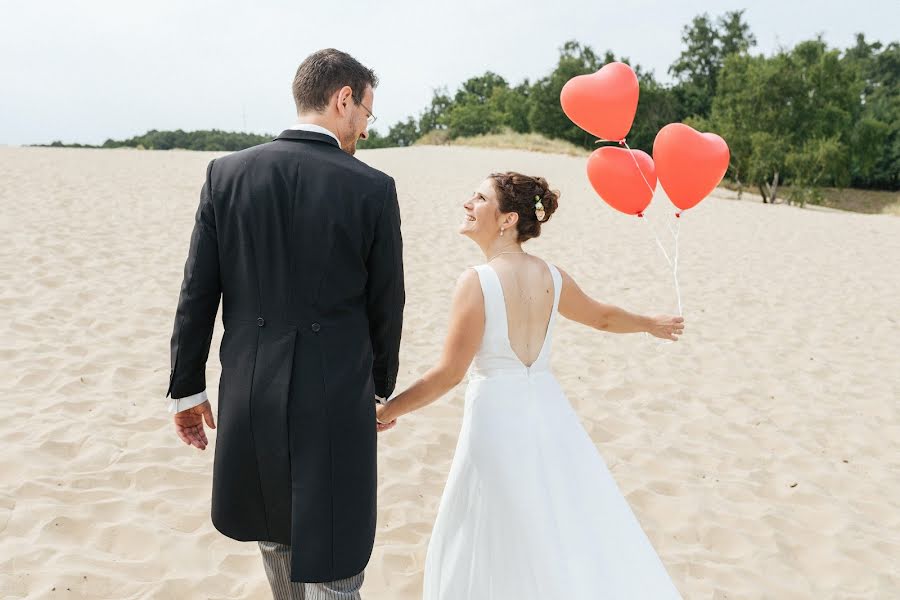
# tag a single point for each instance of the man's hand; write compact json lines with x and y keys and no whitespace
{"x":189,"y":425}
{"x":381,"y":425}
{"x":666,"y":327}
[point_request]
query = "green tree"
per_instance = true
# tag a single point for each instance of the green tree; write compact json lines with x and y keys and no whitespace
{"x":512,"y":106}
{"x":435,"y":116}
{"x":707,"y":45}
{"x":466,"y":120}
{"x":873,"y":152}
{"x":820,"y":160}
{"x":771,"y":108}
{"x":479,"y":90}
{"x":875,"y":140}
{"x":473,"y":112}
{"x":404,"y":133}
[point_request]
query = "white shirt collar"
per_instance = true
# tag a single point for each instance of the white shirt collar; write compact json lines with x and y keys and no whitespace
{"x":315,"y":129}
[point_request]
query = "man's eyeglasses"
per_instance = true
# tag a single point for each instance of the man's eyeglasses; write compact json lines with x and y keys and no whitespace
{"x":371,"y":118}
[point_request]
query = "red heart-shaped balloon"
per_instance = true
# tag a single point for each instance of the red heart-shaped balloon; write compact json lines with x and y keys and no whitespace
{"x":615,"y":176}
{"x":602,"y":103}
{"x":690,"y":164}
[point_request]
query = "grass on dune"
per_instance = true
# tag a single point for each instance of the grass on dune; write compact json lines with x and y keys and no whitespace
{"x":507,"y":139}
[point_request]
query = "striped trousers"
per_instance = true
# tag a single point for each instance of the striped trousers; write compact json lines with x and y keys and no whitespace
{"x":277,"y":562}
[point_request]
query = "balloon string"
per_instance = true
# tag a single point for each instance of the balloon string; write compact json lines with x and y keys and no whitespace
{"x":672,"y":262}
{"x":631,"y":153}
{"x":675,"y":267}
{"x":658,"y":243}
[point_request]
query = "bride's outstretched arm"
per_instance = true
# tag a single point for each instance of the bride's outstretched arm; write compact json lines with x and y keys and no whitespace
{"x":463,"y":340}
{"x":574,"y":304}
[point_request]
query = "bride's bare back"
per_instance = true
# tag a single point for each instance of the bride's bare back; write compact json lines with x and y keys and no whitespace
{"x":528,"y":294}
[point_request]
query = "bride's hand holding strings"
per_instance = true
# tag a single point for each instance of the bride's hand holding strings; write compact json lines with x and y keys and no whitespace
{"x":667,"y":327}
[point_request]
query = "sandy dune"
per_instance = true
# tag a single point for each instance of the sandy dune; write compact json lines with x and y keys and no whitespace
{"x":761,"y":453}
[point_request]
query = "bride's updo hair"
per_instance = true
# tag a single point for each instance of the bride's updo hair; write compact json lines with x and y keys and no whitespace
{"x":519,"y":193}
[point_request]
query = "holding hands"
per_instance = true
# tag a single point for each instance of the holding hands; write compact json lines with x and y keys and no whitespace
{"x":380,"y":423}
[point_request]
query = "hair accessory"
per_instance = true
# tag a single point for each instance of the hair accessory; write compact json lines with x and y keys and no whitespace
{"x":538,"y":208}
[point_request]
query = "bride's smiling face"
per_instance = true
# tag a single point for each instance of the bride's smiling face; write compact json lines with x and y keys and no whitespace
{"x":482,"y":217}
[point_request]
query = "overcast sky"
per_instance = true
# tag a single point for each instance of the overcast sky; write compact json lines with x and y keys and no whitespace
{"x":88,"y":70}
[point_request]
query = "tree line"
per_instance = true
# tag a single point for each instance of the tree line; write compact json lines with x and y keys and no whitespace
{"x":214,"y":140}
{"x":808,"y":116}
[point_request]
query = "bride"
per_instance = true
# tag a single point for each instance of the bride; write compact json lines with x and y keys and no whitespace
{"x":530,"y":509}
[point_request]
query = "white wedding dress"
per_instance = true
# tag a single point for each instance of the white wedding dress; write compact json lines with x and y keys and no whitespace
{"x":530,"y":510}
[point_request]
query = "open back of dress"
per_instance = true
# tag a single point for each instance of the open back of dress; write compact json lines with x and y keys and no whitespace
{"x":528,"y":292}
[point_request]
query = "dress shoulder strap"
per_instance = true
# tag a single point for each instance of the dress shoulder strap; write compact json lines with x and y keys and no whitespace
{"x":557,"y":285}
{"x":494,"y":304}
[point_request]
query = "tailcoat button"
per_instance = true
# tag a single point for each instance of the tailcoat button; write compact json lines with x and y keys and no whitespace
{"x":316,"y":327}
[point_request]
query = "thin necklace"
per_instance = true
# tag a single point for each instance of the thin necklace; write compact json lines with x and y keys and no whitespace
{"x":507,"y":252}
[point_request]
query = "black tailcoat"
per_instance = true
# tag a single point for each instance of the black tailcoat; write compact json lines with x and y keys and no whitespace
{"x":302,"y":242}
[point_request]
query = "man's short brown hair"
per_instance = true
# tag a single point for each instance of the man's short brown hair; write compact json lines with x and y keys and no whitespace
{"x":325,"y":72}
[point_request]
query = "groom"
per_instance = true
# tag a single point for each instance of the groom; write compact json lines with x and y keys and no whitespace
{"x":302,"y":242}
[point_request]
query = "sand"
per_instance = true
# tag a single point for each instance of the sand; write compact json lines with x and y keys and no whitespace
{"x":761,"y":453}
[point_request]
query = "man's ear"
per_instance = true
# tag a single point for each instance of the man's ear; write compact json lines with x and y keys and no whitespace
{"x":344,"y":98}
